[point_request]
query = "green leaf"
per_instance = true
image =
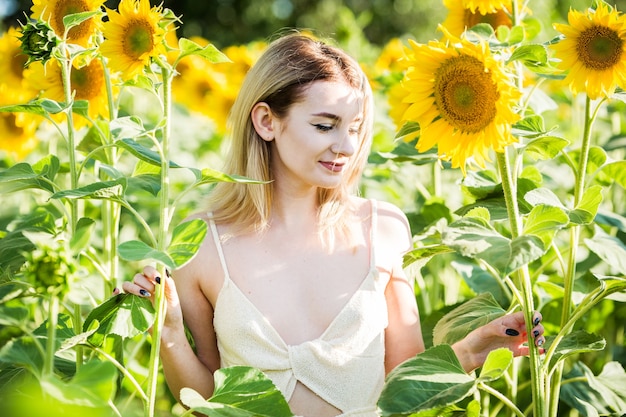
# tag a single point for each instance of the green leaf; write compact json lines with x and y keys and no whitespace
{"x":147,"y":182}
{"x":92,"y":387}
{"x":21,"y":176}
{"x":609,"y":248}
{"x":575,"y":343}
{"x":210,"y":176}
{"x":81,"y":107}
{"x":106,"y":190}
{"x":187,"y":238}
{"x":407,"y":129}
{"x":75,"y":19}
{"x":143,"y":153}
{"x":432,"y":379}
{"x":530,"y":53}
{"x":470,"y":315}
{"x":32,"y":107}
{"x":530,"y":126}
{"x":136,"y":250}
{"x":543,"y":196}
{"x":615,"y":171}
{"x":240,"y":391}
{"x":545,"y":147}
{"x":544,"y":221}
{"x":475,"y":238}
{"x":84,"y":229}
{"x":480,"y":280}
{"x":209,"y":52}
{"x":125,"y":315}
{"x":496,"y":364}
{"x":425,"y":252}
{"x":586,"y":210}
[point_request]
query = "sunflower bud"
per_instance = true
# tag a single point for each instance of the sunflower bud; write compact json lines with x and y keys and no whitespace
{"x":49,"y":268}
{"x":38,"y":41}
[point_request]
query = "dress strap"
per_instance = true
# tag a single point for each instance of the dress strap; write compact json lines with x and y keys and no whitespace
{"x":218,"y":245}
{"x":373,"y":225}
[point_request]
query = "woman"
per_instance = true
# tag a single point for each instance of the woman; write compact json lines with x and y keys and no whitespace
{"x":300,"y":277}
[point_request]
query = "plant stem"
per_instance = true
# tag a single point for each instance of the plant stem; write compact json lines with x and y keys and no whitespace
{"x":503,"y":399}
{"x":66,"y":67}
{"x":570,"y":275}
{"x":160,"y":302}
{"x":53,"y":313}
{"x":525,"y":285}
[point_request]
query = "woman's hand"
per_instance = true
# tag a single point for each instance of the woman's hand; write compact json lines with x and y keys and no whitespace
{"x":144,"y":284}
{"x":508,"y":331}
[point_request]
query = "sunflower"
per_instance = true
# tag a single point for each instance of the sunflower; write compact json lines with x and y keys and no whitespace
{"x":133,"y":37}
{"x":17,"y":130}
{"x":593,"y":51}
{"x":86,"y":83}
{"x":53,"y":11}
{"x":485,"y":6}
{"x":209,"y":88}
{"x":465,"y":15}
{"x":462,"y":99}
{"x":12,"y":62}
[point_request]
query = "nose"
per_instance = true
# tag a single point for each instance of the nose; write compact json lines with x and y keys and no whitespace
{"x":345,"y":145}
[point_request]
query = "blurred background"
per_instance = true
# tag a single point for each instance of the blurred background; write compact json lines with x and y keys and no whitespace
{"x":229,"y":22}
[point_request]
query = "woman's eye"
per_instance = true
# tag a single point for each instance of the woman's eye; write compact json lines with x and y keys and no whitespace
{"x":323,"y":128}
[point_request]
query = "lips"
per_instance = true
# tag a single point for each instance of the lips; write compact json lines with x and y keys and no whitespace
{"x":333,"y":166}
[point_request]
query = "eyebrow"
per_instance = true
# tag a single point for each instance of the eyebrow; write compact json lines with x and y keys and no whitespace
{"x":334,"y":116}
{"x":327,"y":115}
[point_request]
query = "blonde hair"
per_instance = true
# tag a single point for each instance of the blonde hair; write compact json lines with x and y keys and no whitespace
{"x":280,"y":78}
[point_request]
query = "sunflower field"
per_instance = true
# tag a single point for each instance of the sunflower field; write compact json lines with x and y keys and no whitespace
{"x":500,"y":133}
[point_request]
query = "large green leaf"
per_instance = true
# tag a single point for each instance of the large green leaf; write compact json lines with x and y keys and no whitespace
{"x":546,"y":147}
{"x":240,"y":391}
{"x":615,"y":171}
{"x":136,"y":250}
{"x":432,"y":379}
{"x":577,"y":342}
{"x":544,"y":221}
{"x":125,"y":315}
{"x":476,"y":238}
{"x":470,"y":315}
{"x":210,"y":176}
{"x":143,"y":153}
{"x":604,"y":393}
{"x":586,"y":210}
{"x":21,"y":176}
{"x":105,"y":190}
{"x":609,"y":248}
{"x":187,"y":238}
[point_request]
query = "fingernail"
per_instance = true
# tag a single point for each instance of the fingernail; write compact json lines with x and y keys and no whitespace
{"x":540,"y":342}
{"x":536,"y":333}
{"x":537,"y":320}
{"x":115,"y":290}
{"x":158,"y":279}
{"x":144,"y":293}
{"x":167,"y":272}
{"x":512,"y":332}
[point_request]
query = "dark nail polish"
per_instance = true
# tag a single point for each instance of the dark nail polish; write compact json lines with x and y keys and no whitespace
{"x":537,"y":320}
{"x":512,"y":332}
{"x":540,"y":342}
{"x":115,"y":290}
{"x":144,"y":293}
{"x":536,"y":333}
{"x":158,"y":279}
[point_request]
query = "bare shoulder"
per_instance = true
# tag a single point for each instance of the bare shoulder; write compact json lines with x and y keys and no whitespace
{"x":393,"y":226}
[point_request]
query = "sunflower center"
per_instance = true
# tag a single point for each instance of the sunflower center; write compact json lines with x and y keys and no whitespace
{"x":64,"y":8}
{"x":499,"y":18}
{"x":465,"y":94}
{"x":599,"y":48}
{"x":87,"y":81}
{"x":139,"y":38}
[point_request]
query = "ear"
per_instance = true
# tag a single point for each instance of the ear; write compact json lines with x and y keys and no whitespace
{"x":264,"y":121}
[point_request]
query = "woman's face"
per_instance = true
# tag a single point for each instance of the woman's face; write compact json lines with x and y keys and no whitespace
{"x":313,"y":146}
